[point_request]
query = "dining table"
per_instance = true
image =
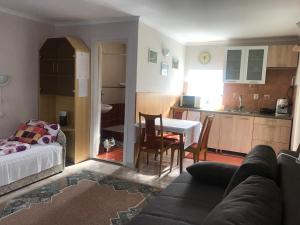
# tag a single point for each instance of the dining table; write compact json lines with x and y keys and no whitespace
{"x":187,"y":130}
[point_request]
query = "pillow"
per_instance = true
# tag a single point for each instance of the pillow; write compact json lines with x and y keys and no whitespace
{"x":52,"y":128}
{"x":28,"y":134}
{"x":46,"y":139}
{"x":36,"y":123}
{"x":260,"y":161}
{"x":256,"y":201}
{"x":212,"y":172}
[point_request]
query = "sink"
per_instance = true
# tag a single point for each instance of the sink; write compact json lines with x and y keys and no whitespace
{"x":105,"y":108}
{"x":237,"y":111}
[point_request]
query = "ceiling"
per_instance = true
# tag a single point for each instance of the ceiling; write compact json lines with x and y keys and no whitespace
{"x":187,"y":21}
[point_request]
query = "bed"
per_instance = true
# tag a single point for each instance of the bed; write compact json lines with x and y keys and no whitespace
{"x":20,"y":169}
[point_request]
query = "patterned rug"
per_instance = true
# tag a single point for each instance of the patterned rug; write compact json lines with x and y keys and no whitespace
{"x":85,"y":198}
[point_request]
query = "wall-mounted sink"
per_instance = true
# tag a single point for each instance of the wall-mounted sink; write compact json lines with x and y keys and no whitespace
{"x":105,"y":108}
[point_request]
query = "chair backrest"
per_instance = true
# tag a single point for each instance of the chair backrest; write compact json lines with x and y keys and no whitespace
{"x":205,"y":131}
{"x":148,"y":135}
{"x":179,"y":113}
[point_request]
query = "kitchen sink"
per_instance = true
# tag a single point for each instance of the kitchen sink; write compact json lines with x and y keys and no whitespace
{"x":237,"y":111}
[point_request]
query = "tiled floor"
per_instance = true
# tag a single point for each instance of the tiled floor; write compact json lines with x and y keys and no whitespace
{"x":115,"y":155}
{"x":147,"y":174}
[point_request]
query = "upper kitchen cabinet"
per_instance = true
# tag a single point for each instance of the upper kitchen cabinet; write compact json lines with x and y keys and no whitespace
{"x":282,"y":56}
{"x":233,"y":64}
{"x":246,"y":64}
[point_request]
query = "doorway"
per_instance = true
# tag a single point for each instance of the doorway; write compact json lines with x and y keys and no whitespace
{"x":112,"y":70}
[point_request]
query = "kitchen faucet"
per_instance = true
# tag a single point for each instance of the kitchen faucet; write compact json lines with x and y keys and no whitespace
{"x":241,"y":103}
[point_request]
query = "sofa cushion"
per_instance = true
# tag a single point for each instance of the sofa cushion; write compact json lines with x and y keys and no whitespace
{"x":212,"y":172}
{"x":289,"y":182}
{"x":260,"y":161}
{"x":184,"y":201}
{"x":257,"y":200}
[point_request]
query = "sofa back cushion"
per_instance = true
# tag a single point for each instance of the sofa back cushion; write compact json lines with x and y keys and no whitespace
{"x":260,"y":161}
{"x":289,"y":183}
{"x":257,"y":200}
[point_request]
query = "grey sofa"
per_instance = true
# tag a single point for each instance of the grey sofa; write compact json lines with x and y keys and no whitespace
{"x":262,"y":191}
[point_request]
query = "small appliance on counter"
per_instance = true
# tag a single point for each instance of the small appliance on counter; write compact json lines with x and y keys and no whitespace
{"x":282,"y":107}
{"x":63,"y":118}
{"x":189,"y":101}
{"x":267,"y":111}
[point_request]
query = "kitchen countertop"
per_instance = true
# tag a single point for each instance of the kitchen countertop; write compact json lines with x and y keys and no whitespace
{"x":240,"y":113}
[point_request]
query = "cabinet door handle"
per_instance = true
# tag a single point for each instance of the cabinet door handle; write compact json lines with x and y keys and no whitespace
{"x":244,"y":118}
{"x":229,"y":117}
{"x":57,"y":67}
{"x":53,"y":67}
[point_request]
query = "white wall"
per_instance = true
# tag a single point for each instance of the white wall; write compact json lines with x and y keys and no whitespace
{"x":93,"y":34}
{"x":192,"y":58}
{"x":149,"y":77}
{"x":296,"y":120}
{"x":20,"y":40}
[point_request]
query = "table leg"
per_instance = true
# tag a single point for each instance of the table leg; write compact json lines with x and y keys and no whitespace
{"x":181,"y":151}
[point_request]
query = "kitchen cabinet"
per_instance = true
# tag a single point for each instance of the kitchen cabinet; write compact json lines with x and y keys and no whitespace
{"x":273,"y":132}
{"x":242,"y":138}
{"x":57,"y":67}
{"x":236,"y":133}
{"x":226,"y":132}
{"x":282,"y":56}
{"x":59,"y":91}
{"x":214,"y":136}
{"x":245,"y":64}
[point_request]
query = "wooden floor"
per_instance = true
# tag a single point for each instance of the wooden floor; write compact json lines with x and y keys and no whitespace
{"x":116,"y":155}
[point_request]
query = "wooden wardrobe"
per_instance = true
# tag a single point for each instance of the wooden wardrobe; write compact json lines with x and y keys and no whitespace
{"x":65,"y":86}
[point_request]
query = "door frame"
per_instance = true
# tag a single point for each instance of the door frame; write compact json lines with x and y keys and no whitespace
{"x":129,"y":120}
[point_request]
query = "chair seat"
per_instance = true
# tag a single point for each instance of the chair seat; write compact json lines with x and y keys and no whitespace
{"x":171,"y":136}
{"x":167,"y":143}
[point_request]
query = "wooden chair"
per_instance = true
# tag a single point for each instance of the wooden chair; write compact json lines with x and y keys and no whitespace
{"x":151,"y":141}
{"x":202,"y":143}
{"x":178,"y":113}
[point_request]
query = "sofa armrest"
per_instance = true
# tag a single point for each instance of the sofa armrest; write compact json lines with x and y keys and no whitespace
{"x":212,"y":172}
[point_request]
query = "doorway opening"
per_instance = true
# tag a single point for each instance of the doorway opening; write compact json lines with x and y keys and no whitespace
{"x":112,"y":69}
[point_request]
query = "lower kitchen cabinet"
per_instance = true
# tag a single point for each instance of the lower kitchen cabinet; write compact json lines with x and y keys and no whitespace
{"x":242,"y":138}
{"x":236,"y":133}
{"x":273,"y":132}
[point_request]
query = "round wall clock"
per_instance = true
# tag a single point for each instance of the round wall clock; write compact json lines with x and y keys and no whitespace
{"x":204,"y":57}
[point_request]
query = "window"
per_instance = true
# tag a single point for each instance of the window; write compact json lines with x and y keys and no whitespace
{"x":208,"y":84}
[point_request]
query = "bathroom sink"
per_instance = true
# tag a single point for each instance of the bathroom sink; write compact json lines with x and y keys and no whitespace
{"x":105,"y":108}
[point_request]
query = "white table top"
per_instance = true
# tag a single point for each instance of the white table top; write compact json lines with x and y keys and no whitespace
{"x":175,"y":125}
{"x":190,"y":129}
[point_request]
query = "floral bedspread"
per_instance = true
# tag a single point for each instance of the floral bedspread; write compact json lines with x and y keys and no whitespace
{"x":9,"y":147}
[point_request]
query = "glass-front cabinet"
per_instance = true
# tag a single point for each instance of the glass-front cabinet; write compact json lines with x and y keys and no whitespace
{"x":245,"y":64}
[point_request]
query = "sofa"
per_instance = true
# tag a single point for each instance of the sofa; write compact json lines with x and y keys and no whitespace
{"x":262,"y":191}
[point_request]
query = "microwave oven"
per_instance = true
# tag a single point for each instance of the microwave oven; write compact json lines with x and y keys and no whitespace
{"x":190,"y":101}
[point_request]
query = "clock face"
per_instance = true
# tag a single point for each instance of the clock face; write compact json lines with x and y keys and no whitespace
{"x":204,"y":57}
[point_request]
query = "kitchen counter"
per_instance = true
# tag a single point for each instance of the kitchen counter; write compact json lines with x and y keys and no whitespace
{"x":240,"y":113}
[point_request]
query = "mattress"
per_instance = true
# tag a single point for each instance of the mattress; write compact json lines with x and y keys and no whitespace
{"x":16,"y":166}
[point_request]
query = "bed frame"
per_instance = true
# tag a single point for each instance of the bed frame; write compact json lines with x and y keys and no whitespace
{"x":61,"y":139}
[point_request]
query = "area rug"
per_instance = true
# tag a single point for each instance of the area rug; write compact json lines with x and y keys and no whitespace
{"x":85,"y":198}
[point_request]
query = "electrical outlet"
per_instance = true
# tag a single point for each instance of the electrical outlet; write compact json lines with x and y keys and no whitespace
{"x":267,"y":97}
{"x":255,"y":96}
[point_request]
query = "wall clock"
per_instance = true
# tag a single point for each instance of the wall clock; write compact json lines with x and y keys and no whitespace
{"x":204,"y":57}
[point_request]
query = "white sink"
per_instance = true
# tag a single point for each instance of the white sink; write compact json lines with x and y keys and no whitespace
{"x":105,"y":108}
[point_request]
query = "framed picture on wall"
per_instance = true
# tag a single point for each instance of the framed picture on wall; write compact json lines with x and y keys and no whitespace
{"x":164,"y":69}
{"x":175,"y":63}
{"x":152,"y":56}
